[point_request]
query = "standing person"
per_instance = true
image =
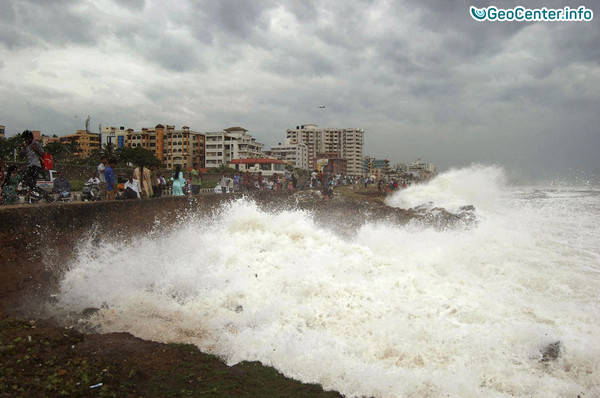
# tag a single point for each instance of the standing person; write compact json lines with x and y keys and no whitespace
{"x":260,"y":180}
{"x":178,"y":181}
{"x":109,"y":177}
{"x":34,"y":151}
{"x":102,"y":185}
{"x":196,"y":179}
{"x":236,"y":182}
{"x":223,"y":183}
{"x":154,"y":180}
{"x":162,"y":185}
{"x":288,"y":179}
{"x":142,"y":174}
{"x":325,"y":189}
{"x":246,"y":181}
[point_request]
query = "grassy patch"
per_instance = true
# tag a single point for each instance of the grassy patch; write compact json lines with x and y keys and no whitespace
{"x":43,"y":360}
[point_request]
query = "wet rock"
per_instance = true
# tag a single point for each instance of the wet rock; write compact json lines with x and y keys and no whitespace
{"x":550,"y":352}
{"x":88,"y":312}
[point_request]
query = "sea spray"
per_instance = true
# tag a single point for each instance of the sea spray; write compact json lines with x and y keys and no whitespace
{"x":479,"y":186}
{"x":392,"y":311}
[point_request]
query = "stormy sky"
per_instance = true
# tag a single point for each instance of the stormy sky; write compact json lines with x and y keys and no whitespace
{"x":422,"y":78}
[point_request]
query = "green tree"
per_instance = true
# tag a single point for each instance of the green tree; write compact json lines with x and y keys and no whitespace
{"x":138,"y":155}
{"x":8,"y":146}
{"x":108,"y":150}
{"x":59,"y":151}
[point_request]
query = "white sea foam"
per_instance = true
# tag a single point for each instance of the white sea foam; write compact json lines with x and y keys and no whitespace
{"x":396,"y":311}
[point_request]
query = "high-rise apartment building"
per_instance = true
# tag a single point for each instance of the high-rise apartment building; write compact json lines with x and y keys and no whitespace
{"x":347,"y":143}
{"x":294,"y":154}
{"x":172,"y":147}
{"x":231,"y":143}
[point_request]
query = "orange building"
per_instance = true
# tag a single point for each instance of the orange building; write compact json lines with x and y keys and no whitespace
{"x":87,"y":142}
{"x":172,"y":147}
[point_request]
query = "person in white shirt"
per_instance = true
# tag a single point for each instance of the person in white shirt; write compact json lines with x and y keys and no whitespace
{"x":132,"y":188}
{"x":101,"y":178}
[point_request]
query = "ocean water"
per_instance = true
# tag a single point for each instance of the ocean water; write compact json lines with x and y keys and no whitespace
{"x":392,"y":311}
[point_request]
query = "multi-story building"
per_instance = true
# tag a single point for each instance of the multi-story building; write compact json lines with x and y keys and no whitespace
{"x":231,"y":143}
{"x":2,"y":136}
{"x":86,"y":142}
{"x":347,"y":143}
{"x":45,"y":140}
{"x":373,"y":166}
{"x":172,"y":147}
{"x":421,"y":169}
{"x":295,"y":155}
{"x":401,"y":168}
{"x":113,"y":136}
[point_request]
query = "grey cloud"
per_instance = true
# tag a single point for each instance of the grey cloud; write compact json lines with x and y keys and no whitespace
{"x":472,"y":93}
{"x":136,"y":5}
{"x":233,"y":18}
{"x":300,"y":64}
{"x":31,"y":23}
{"x":158,"y":47}
{"x":173,"y":55}
{"x":304,"y":10}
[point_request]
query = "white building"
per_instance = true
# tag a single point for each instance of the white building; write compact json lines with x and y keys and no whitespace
{"x":114,"y":136}
{"x":231,"y":143}
{"x":346,"y":143}
{"x":267,"y":167}
{"x":419,"y":166}
{"x":294,"y":154}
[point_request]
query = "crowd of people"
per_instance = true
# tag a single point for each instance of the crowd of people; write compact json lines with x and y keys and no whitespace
{"x":246,"y":181}
{"x":149,"y":182}
{"x":10,"y":179}
{"x":141,"y":182}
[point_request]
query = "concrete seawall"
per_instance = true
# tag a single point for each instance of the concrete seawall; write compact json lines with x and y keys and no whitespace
{"x":37,"y":242}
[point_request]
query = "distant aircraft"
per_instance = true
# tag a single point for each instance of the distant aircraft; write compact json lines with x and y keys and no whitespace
{"x":322,"y":106}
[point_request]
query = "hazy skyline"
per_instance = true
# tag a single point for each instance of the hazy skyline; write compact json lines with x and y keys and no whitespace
{"x":423,"y":79}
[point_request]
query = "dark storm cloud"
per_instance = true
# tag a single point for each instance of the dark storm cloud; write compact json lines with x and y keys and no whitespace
{"x":173,"y":55}
{"x":33,"y":23}
{"x":422,"y":78}
{"x":231,"y":18}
